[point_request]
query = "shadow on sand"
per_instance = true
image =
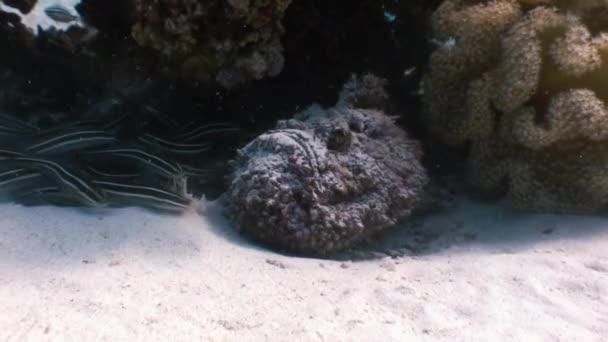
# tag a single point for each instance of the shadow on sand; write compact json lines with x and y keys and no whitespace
{"x":34,"y":235}
{"x":473,"y":225}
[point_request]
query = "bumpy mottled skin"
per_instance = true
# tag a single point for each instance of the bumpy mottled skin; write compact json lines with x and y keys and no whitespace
{"x":325,"y":180}
{"x":524,"y":84}
{"x":232,"y":41}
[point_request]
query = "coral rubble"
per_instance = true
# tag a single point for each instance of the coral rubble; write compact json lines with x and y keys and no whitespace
{"x":523,"y":84}
{"x":327,"y":178}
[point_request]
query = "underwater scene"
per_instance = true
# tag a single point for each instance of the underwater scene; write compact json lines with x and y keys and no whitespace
{"x":307,"y":170}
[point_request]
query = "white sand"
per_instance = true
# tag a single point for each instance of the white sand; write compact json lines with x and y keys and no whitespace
{"x":481,"y":273}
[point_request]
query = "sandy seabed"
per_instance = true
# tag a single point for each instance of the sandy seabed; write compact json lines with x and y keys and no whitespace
{"x":473,"y":272}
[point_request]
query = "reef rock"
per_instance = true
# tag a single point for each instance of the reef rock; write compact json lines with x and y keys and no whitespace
{"x":228,"y":42}
{"x":327,"y":178}
{"x":523,"y":83}
{"x":231,"y":41}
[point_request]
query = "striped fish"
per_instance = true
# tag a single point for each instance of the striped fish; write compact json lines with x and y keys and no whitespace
{"x":9,"y":154}
{"x":127,"y":175}
{"x":10,"y":123}
{"x":129,"y":194}
{"x":70,"y":141}
{"x":60,"y":14}
{"x":84,"y":191}
{"x":154,"y":163}
{"x":172,"y":147}
{"x":13,"y":179}
{"x":113,"y":124}
{"x":9,"y":131}
{"x":206,"y":130}
{"x":197,"y":172}
{"x":46,"y":195}
{"x":105,"y":124}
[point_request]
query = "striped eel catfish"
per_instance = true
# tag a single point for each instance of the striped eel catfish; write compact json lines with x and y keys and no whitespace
{"x":206,"y":130}
{"x":149,"y":161}
{"x":4,"y":132}
{"x":108,"y":124}
{"x":11,"y":129}
{"x":17,"y":178}
{"x":173,"y":147}
{"x":79,"y":187}
{"x":7,"y":130}
{"x":9,"y":154}
{"x":74,"y":140}
{"x":11,"y":123}
{"x":198,"y":172}
{"x":107,"y":159}
{"x":123,"y":194}
{"x":171,"y":171}
{"x":112,"y":175}
{"x":74,"y":185}
{"x":46,"y":195}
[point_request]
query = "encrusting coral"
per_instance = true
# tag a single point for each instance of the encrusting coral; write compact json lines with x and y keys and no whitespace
{"x":327,"y":178}
{"x":232,"y":41}
{"x":524,"y":84}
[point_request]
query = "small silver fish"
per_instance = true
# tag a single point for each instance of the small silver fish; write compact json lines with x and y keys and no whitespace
{"x":409,"y":72}
{"x":60,"y":14}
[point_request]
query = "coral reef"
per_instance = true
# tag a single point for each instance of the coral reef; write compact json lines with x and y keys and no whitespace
{"x":523,"y":85}
{"x":327,"y":178}
{"x":323,"y":43}
{"x":230,"y":42}
{"x":233,"y":41}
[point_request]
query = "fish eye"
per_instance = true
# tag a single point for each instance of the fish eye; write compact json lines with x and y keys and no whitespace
{"x":339,"y":139}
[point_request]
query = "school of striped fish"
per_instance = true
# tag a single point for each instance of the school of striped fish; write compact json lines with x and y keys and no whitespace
{"x":104,"y":163}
